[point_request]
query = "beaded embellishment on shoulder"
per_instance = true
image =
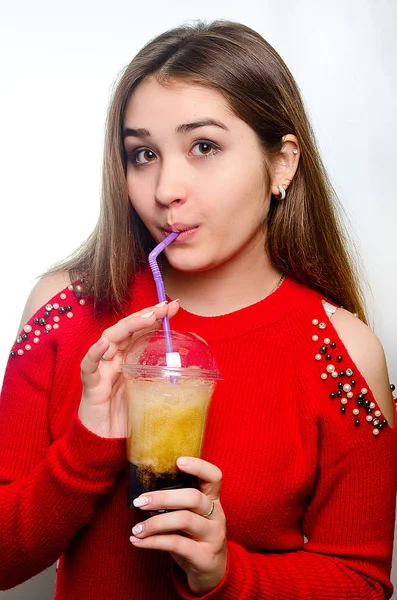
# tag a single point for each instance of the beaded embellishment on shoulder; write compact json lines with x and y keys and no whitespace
{"x":51,"y":317}
{"x":339,"y":378}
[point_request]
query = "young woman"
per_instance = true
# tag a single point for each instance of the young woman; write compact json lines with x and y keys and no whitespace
{"x":207,"y":136}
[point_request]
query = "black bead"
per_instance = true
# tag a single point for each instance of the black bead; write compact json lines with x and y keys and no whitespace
{"x":340,"y":384}
{"x":384,"y":422}
{"x":36,"y":320}
{"x":369,"y":411}
{"x":328,"y":357}
{"x":342,"y":373}
{"x":332,"y":395}
{"x":380,"y":426}
{"x":25,"y":337}
{"x":323,"y":349}
{"x":353,"y":382}
{"x":46,"y":314}
{"x":357,"y":422}
{"x":392,"y":387}
{"x":359,"y":402}
{"x":12,"y":353}
{"x":333,"y":344}
{"x":68,"y":307}
{"x":367,"y":402}
{"x":62,"y":310}
{"x":343,"y":410}
{"x":46,"y":332}
{"x":360,"y":397}
{"x":339,"y":393}
{"x":339,"y":358}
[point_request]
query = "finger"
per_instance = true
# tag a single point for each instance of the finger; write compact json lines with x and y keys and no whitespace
{"x":210,"y":475}
{"x":91,"y":361}
{"x":120,"y":333}
{"x":186,"y":521}
{"x":186,"y":498}
{"x":177,"y":544}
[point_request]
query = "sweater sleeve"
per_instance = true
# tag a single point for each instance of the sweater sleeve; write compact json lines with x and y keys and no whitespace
{"x":48,"y":491}
{"x":349,"y":520}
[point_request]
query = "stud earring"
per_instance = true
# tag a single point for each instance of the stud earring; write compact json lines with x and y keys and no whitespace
{"x":295,"y":151}
{"x":282,"y":192}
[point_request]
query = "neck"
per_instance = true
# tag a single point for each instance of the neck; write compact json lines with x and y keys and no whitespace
{"x":224,"y":289}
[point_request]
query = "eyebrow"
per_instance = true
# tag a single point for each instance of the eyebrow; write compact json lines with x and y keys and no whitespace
{"x":184,"y":128}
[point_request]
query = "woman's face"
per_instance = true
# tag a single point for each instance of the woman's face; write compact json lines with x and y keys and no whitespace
{"x":194,"y":167}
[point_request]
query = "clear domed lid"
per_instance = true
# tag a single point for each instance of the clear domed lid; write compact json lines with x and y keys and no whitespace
{"x":190,"y":357}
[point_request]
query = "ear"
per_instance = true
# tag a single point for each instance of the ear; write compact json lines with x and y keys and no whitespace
{"x":285,"y":164}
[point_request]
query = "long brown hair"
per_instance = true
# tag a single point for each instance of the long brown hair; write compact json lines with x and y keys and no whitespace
{"x":305,"y":235}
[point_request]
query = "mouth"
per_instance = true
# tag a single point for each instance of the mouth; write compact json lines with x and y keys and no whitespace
{"x":185,"y":231}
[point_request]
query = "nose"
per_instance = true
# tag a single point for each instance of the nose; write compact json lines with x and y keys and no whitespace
{"x":172,"y":184}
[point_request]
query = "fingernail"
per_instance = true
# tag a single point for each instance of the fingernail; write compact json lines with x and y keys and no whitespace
{"x":183,"y":461}
{"x":147,"y":315}
{"x":134,"y":540}
{"x":160,"y":304}
{"x":137,"y":529}
{"x":175,"y":301}
{"x":143,"y":501}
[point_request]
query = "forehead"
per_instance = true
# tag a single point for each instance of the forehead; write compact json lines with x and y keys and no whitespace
{"x":178,"y":101}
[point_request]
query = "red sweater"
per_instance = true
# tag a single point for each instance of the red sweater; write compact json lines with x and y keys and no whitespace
{"x":308,"y":488}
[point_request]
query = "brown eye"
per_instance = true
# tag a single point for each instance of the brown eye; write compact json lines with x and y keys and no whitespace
{"x":143,"y":156}
{"x":204,"y":149}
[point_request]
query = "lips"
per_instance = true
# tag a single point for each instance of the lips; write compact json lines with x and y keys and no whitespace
{"x":179,"y":228}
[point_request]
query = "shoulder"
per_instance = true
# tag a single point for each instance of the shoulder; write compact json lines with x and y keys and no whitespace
{"x":367,"y":353}
{"x":47,"y":287}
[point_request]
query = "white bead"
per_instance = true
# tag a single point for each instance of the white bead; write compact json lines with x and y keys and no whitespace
{"x":369,"y":418}
{"x":48,"y":307}
{"x":349,"y":372}
{"x":36,"y":340}
{"x":350,"y":394}
{"x":375,"y":422}
{"x":327,"y":340}
{"x":70,"y":287}
{"x":322,"y":326}
{"x":372,"y":405}
{"x":314,"y":337}
{"x":318,"y":357}
{"x":330,"y":368}
{"x":37,"y":332}
{"x":69,"y":315}
{"x":335,"y":374}
{"x":364,"y":391}
{"x":55,"y":326}
{"x":20,"y":352}
{"x":343,"y":400}
{"x":377,"y":413}
{"x":347,"y":387}
{"x":324,"y":375}
{"x":28,"y":347}
{"x":78,"y":289}
{"x":63,"y":296}
{"x":56,"y":319}
{"x":48,"y":327}
{"x":56,"y":305}
{"x":356,"y":411}
{"x":27,"y":329}
{"x":375,"y":431}
{"x":315,"y":322}
{"x":82,"y":302}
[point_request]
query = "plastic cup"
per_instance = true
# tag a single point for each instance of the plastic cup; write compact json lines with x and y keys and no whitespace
{"x":167,"y":403}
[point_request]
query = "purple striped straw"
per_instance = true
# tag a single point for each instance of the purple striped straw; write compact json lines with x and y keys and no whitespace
{"x":158,"y":280}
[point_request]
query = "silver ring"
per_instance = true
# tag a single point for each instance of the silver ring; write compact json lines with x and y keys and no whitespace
{"x":211,"y":510}
{"x":104,"y":357}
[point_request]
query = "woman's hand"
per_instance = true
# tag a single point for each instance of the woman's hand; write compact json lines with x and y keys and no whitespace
{"x":102,"y":407}
{"x":194,"y":532}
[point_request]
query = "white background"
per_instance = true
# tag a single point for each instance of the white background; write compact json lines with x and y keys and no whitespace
{"x":58,"y":61}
